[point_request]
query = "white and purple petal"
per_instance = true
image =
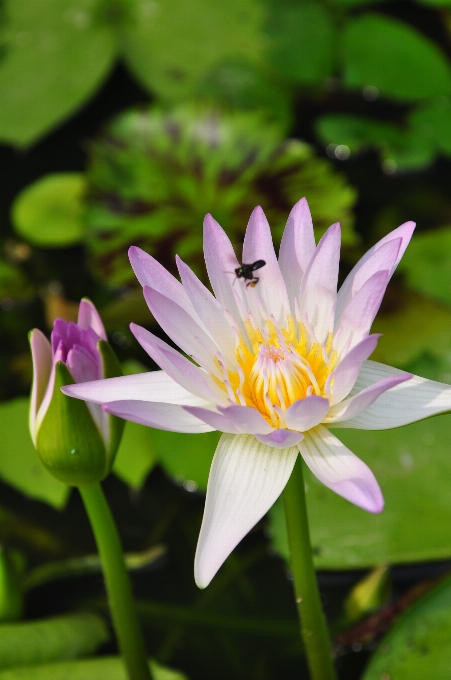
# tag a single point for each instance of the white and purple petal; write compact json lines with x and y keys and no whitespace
{"x":271,"y":289}
{"x":247,"y":419}
{"x":246,"y":478}
{"x":211,"y":313}
{"x":296,"y":248}
{"x":340,"y":470}
{"x":373,"y":261}
{"x":359,"y":314}
{"x":352,"y":407}
{"x":280,"y":438}
{"x":89,"y":317}
{"x":152,"y":386}
{"x":348,"y":369}
{"x":158,"y":415}
{"x":318,"y":294}
{"x":408,"y":402}
{"x":183,"y":330}
{"x":41,"y":354}
{"x":211,"y":416}
{"x":151,"y":273}
{"x":181,"y":370}
{"x":306,"y":413}
{"x":221,"y":262}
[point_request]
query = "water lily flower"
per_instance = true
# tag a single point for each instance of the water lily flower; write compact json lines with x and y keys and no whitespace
{"x":76,"y":441}
{"x":273,"y":366}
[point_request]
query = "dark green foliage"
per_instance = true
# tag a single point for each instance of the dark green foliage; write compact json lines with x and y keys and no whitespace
{"x":155,"y":173}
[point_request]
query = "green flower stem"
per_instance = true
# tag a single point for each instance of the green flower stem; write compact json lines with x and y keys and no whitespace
{"x":117,"y":582}
{"x":312,"y":622}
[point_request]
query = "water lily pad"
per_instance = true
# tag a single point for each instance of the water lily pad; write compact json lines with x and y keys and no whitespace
{"x":135,"y":458}
{"x":111,"y":667}
{"x":302,"y":41}
{"x":427,"y":264}
{"x":433,"y":121}
{"x":57,"y":53}
{"x":419,"y":645}
{"x":408,"y":149}
{"x":401,"y":62}
{"x":171,"y":46}
{"x":19,"y":463}
{"x":186,"y":457}
{"x":54,"y":639}
{"x":49,"y":213}
{"x":419,"y":324}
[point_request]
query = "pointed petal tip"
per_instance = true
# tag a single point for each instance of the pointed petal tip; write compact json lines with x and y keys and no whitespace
{"x":374,"y":502}
{"x":209,"y":221}
{"x":365,"y":496}
{"x":202,"y":580}
{"x":135,"y":252}
{"x":89,"y":317}
{"x":67,"y":390}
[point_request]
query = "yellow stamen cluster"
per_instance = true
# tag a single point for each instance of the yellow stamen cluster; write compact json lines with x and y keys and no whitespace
{"x":276,"y":367}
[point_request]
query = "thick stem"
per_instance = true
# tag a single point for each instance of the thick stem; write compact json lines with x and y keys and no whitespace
{"x":117,"y":582}
{"x":312,"y":622}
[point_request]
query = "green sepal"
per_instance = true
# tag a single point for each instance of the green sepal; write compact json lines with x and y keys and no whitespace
{"x":111,"y":368}
{"x":68,"y":441}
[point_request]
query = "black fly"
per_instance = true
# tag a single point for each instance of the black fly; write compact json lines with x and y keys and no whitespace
{"x":246,"y":272}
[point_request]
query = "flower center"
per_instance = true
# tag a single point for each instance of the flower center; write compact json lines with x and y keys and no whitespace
{"x":276,"y":368}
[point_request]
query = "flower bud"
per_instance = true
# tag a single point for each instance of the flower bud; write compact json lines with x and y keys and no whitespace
{"x":76,"y":441}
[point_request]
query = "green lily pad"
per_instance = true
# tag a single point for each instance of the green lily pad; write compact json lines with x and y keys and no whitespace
{"x":426,"y":264}
{"x":413,"y":467}
{"x":111,"y":667}
{"x":240,"y":84}
{"x":302,"y":41}
{"x":419,"y":645}
{"x":399,"y":61}
{"x":186,"y":457}
{"x":433,"y":121}
{"x":49,"y":213}
{"x":54,"y":639}
{"x":407,"y":148}
{"x":135,"y":458}
{"x":19,"y":463}
{"x":419,"y":325}
{"x":57,"y":52}
{"x":171,"y":46}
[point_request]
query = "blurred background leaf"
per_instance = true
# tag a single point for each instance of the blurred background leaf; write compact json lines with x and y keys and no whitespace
{"x":56,"y":54}
{"x":49,"y":213}
{"x":155,"y":174}
{"x":170,"y":46}
{"x":302,"y":41}
{"x":19,"y":464}
{"x":419,"y":644}
{"x":395,"y":58}
{"x":53,"y":639}
{"x":89,"y":669}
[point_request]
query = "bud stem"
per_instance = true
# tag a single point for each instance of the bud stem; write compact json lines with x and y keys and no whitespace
{"x":313,"y":624}
{"x":117,"y":582}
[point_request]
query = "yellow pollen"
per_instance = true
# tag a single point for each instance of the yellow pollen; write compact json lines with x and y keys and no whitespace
{"x":277,"y":367}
